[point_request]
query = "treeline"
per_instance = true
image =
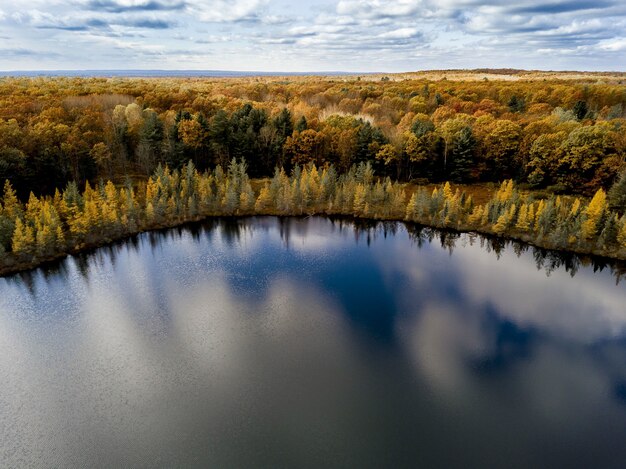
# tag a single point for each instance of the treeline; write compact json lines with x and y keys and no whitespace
{"x":568,"y":136}
{"x":565,"y":223}
{"x":49,"y":226}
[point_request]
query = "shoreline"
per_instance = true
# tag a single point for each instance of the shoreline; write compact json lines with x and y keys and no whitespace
{"x":18,"y":266}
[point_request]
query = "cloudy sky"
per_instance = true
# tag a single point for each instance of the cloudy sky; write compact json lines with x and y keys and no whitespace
{"x":306,"y":35}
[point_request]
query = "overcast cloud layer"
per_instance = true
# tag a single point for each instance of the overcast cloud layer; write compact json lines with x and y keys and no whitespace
{"x":278,"y":35}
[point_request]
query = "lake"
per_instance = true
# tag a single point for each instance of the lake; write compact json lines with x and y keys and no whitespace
{"x":267,"y":342}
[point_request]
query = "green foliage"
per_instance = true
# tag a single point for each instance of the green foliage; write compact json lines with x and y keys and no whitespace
{"x":617,"y":194}
{"x":516,"y":104}
{"x":580,"y":109}
{"x":462,"y":156}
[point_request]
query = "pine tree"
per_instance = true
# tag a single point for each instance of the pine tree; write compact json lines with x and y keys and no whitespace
{"x":617,"y":194}
{"x":411,"y":208}
{"x":546,"y":218}
{"x":23,"y":241}
{"x":575,"y":210}
{"x":593,"y":213}
{"x":531,"y":216}
{"x":580,"y":109}
{"x":398,"y":200}
{"x":328,"y":183}
{"x":302,"y":125}
{"x":485,"y":219}
{"x":230,"y":202}
{"x":621,"y":236}
{"x":59,"y":239}
{"x":360,"y":196}
{"x":509,"y":191}
{"x":475,"y":218}
{"x":264,"y":202}
{"x":315,"y":185}
{"x":501,"y":224}
{"x":610,"y":232}
{"x":150,"y":212}
{"x":246,"y":198}
{"x":45,"y":240}
{"x":504,"y":220}
{"x":11,"y":205}
{"x":33,"y":210}
{"x":463,"y":155}
{"x":522,"y":218}
{"x":540,"y":208}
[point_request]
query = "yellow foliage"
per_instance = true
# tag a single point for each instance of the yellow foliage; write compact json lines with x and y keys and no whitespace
{"x":411,"y":207}
{"x":476,"y":215}
{"x":150,"y":212}
{"x":44,"y":239}
{"x":246,"y":200}
{"x":593,"y":213}
{"x":506,"y":191}
{"x":264,"y":200}
{"x":540,"y":208}
{"x":60,"y":236}
{"x":531,"y":215}
{"x":33,"y":208}
{"x":171,"y":207}
{"x":23,"y":237}
{"x":359,"y":198}
{"x":522,"y":218}
{"x":512,"y":211}
{"x":485,"y":218}
{"x":575,"y":207}
{"x":12,"y":207}
{"x":152,"y":190}
{"x":501,"y":224}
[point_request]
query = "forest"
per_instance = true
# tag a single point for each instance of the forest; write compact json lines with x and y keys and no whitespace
{"x":88,"y":160}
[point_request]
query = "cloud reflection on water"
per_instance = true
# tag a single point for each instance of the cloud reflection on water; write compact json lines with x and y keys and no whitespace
{"x":256,"y":332}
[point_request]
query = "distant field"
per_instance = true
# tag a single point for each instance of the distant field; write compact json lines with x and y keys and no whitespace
{"x":502,"y":75}
{"x":431,"y":75}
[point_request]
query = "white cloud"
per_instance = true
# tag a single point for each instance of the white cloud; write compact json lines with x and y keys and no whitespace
{"x":378,"y":8}
{"x":617,"y":45}
{"x":220,"y":11}
{"x":357,"y":35}
{"x":402,"y":33}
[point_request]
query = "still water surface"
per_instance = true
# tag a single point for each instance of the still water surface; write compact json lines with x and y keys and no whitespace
{"x":313,"y":343}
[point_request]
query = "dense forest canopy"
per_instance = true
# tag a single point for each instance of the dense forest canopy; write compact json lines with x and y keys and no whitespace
{"x":567,"y":135}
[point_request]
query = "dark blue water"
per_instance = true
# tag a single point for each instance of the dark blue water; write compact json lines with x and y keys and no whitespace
{"x":312,"y":343}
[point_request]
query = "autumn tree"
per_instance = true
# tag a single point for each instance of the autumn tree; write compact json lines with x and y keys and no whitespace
{"x":617,"y":194}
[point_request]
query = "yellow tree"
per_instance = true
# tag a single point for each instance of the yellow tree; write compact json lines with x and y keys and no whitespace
{"x":33,"y":210}
{"x":593,"y":213}
{"x":12,"y":206}
{"x":522,"y":218}
{"x":504,"y":220}
{"x":360,"y":198}
{"x":476,"y":216}
{"x":264,"y":201}
{"x":109,"y":207}
{"x":23,"y":240}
